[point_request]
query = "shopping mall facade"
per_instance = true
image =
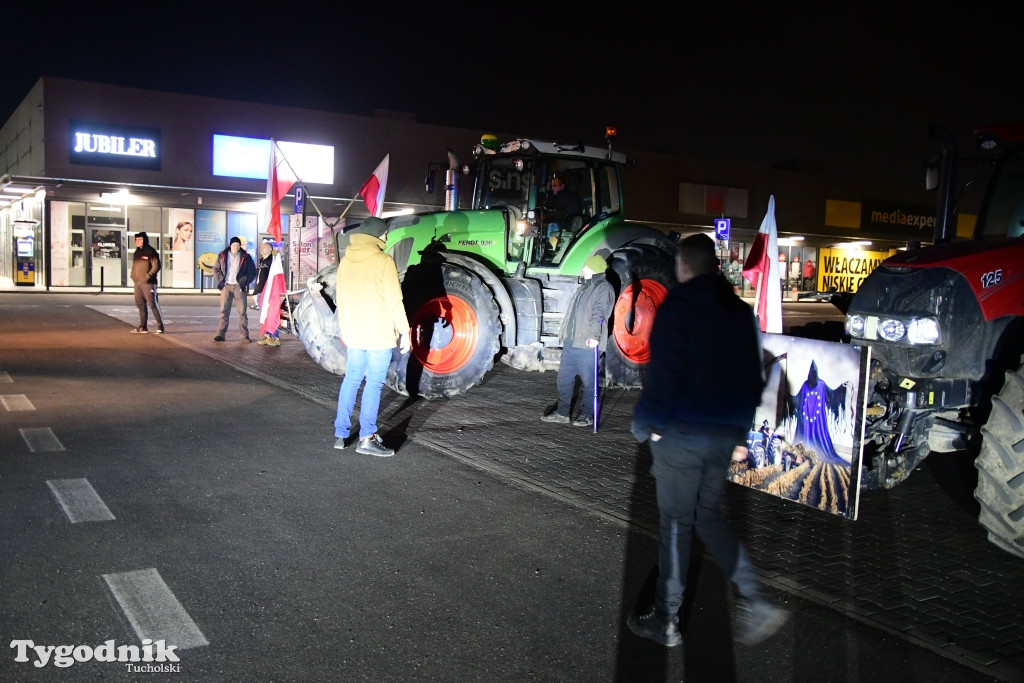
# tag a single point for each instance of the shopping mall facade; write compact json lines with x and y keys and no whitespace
{"x":85,"y":166}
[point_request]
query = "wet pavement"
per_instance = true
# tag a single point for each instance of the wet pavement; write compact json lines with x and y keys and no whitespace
{"x":915,"y":564}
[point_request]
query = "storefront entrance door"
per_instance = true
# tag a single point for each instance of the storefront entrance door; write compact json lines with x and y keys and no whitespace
{"x":107,"y":251}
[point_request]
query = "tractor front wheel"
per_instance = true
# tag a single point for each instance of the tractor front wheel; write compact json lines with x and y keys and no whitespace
{"x":1000,"y":467}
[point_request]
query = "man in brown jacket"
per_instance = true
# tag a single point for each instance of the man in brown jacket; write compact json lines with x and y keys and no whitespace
{"x":371,"y":318}
{"x":145,"y":266}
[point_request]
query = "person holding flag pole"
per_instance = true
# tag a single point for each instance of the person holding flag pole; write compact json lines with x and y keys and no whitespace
{"x":268,"y":292}
{"x":582,"y":330}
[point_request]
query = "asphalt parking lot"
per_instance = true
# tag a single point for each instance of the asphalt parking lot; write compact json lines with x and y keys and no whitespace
{"x":914,"y":565}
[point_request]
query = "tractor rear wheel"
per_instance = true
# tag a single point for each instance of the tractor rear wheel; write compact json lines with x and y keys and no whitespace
{"x":645,"y":274}
{"x":455,"y":332}
{"x":1000,"y":467}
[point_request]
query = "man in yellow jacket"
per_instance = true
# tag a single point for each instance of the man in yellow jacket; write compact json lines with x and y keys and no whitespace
{"x":371,"y":318}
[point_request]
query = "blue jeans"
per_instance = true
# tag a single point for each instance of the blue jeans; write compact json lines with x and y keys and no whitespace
{"x":690,"y":472}
{"x":373,"y":364}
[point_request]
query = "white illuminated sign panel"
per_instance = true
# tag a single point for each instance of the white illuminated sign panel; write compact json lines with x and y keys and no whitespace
{"x":104,"y":144}
{"x":238,"y":157}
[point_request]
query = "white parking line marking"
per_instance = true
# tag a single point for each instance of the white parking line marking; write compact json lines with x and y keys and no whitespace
{"x":152,"y":609}
{"x":14,"y":402}
{"x":5,"y":378}
{"x":41,"y":439}
{"x":79,"y":500}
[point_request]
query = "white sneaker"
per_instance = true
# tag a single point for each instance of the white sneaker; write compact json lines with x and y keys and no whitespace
{"x":757,"y":620}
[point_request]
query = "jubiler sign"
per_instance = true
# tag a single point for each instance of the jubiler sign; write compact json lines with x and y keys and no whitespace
{"x":101,"y":144}
{"x":842,"y":270}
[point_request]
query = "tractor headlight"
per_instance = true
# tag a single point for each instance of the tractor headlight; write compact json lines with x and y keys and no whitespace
{"x":907,"y":331}
{"x":923,"y":331}
{"x":521,"y":227}
{"x":892,"y":330}
{"x":855,"y":325}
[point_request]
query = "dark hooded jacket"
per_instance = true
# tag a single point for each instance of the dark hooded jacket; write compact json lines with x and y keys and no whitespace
{"x":587,"y":313}
{"x":705,"y":374}
{"x":145,"y":263}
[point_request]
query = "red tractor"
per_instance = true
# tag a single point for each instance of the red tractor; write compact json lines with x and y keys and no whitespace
{"x":945,"y":324}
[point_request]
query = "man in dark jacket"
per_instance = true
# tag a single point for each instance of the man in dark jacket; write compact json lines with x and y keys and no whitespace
{"x":702,"y":386}
{"x":232,"y":274}
{"x":145,"y":266}
{"x":583,"y":328}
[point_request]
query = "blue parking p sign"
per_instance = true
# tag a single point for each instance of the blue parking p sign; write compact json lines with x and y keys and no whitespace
{"x":722,"y":229}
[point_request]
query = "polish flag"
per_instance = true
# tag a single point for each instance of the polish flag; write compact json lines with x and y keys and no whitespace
{"x":372,"y":191}
{"x":761,"y":269}
{"x":279,"y":181}
{"x":270,"y":297}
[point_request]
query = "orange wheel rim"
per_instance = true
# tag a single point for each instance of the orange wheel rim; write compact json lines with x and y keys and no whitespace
{"x":635,"y":345}
{"x":444,"y":334}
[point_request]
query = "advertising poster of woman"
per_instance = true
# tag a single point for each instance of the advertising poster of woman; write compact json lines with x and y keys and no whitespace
{"x":181,"y":229}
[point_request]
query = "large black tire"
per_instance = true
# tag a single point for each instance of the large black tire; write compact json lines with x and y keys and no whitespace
{"x":628,"y":347}
{"x":1000,"y":467}
{"x":455,"y":331}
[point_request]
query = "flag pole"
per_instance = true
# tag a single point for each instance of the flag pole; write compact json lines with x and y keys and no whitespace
{"x":757,"y":298}
{"x":595,"y":387}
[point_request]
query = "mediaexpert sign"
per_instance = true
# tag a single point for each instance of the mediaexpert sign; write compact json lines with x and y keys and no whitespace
{"x":901,"y":220}
{"x":104,"y":144}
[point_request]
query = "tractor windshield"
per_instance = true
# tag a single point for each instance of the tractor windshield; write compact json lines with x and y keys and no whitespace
{"x":1004,"y":215}
{"x":504,"y":181}
{"x":558,"y":195}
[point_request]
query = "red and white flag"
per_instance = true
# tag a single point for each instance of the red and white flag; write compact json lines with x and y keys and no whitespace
{"x":372,"y":191}
{"x":279,"y":181}
{"x":270,"y":297}
{"x":762,"y":271}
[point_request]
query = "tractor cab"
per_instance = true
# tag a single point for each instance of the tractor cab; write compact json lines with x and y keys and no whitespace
{"x":551,"y":195}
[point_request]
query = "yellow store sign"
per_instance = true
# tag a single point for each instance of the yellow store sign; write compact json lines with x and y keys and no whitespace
{"x":842,"y":270}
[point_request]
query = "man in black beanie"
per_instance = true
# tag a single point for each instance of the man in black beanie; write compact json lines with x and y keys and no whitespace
{"x":145,"y":266}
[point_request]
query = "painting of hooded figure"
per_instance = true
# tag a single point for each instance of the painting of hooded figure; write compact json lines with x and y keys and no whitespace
{"x":812,"y":405}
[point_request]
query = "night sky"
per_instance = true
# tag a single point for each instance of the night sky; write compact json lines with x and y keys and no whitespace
{"x":849,"y":89}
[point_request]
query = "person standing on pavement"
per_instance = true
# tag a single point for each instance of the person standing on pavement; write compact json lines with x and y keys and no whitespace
{"x":583,"y":329}
{"x":371,"y":318}
{"x":266,"y":258}
{"x":145,"y":266}
{"x":232,"y":274}
{"x":703,"y":384}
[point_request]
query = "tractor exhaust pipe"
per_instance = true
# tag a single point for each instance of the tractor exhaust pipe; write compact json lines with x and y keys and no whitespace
{"x":945,"y":228}
{"x":451,"y":184}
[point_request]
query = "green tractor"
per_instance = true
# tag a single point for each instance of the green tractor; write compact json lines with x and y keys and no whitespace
{"x":497,"y":277}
